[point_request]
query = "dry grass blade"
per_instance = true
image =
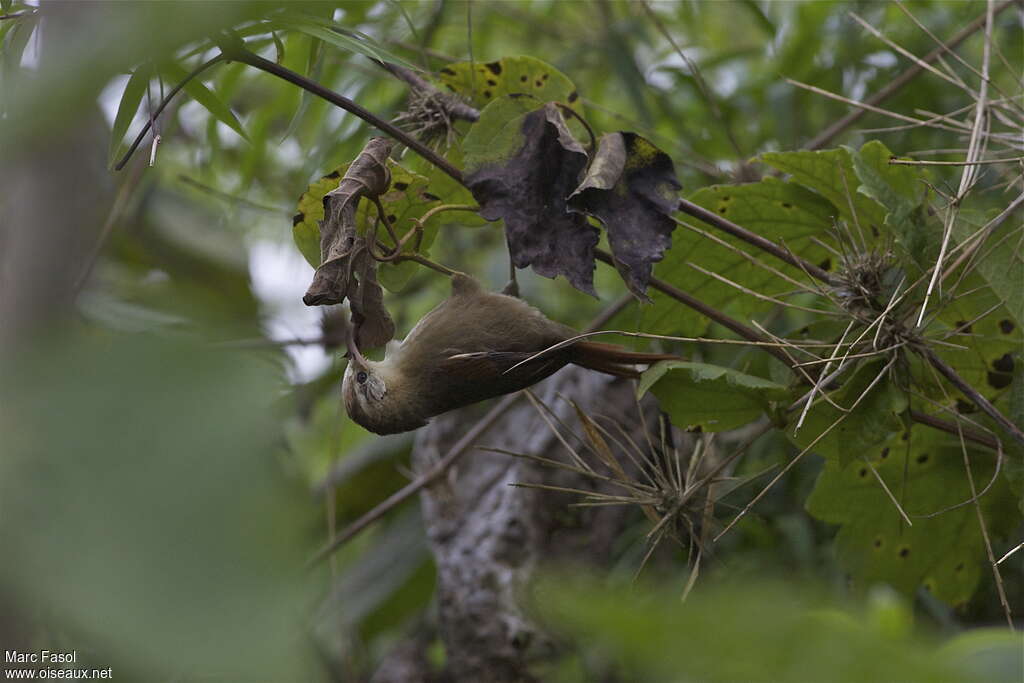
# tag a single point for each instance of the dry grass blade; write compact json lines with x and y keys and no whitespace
{"x":871,"y":108}
{"x":974,"y":148}
{"x":1010,"y":553}
{"x":885,"y":487}
{"x":750,"y":257}
{"x":951,"y":78}
{"x":758,"y":295}
{"x":543,"y":411}
{"x":822,"y":382}
{"x":597,"y":443}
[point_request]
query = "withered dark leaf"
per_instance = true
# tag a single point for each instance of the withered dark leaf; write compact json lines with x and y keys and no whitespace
{"x":374,"y":324}
{"x":631,"y":188}
{"x":347,"y":269}
{"x":528,"y":191}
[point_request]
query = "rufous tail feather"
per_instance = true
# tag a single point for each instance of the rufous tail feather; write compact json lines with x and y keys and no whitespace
{"x":614,"y":360}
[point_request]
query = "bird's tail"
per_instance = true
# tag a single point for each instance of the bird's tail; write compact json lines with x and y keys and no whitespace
{"x":614,"y":360}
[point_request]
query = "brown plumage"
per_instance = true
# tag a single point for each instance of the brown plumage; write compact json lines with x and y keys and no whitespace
{"x":465,"y":350}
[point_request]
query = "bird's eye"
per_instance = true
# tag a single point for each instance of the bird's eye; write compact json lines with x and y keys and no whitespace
{"x":361,"y":377}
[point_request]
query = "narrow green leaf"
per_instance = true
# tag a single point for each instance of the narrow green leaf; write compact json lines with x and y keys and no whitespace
{"x":342,"y":38}
{"x":204,"y":96}
{"x":130,"y":100}
{"x":12,"y":50}
{"x":759,"y":17}
{"x":313,"y":63}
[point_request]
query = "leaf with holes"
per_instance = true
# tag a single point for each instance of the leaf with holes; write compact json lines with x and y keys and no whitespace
{"x":831,"y":174}
{"x":1014,"y":467}
{"x":631,"y":187}
{"x":875,"y":418}
{"x":482,"y":83}
{"x":521,"y":164}
{"x":945,"y":553}
{"x":711,"y":397}
{"x":309,"y":213}
{"x":783,"y":212}
{"x":997,"y":258}
{"x":405,"y":203}
{"x":348,"y":270}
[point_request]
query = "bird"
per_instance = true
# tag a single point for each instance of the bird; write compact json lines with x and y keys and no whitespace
{"x":474,"y":345}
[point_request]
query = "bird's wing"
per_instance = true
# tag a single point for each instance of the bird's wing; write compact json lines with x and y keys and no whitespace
{"x":470,"y":377}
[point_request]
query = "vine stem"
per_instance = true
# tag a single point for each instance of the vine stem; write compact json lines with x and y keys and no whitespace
{"x":702,"y":308}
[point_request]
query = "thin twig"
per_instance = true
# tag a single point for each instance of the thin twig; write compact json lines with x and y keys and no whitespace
{"x":981,"y":162}
{"x":163,"y":104}
{"x":254,"y":60}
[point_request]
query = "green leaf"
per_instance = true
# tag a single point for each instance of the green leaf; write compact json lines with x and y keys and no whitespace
{"x":482,"y":83}
{"x":900,"y":191}
{"x":997,"y":262}
{"x":407,"y":200}
{"x":711,"y":397}
{"x":342,"y":38}
{"x":789,"y":634}
{"x":783,"y":212}
{"x":874,"y":420}
{"x":204,"y":96}
{"x":831,"y":174}
{"x":309,"y":213}
{"x":11,"y":51}
{"x":136,"y":410}
{"x":498,"y":134}
{"x":945,"y":553}
{"x":133,"y":92}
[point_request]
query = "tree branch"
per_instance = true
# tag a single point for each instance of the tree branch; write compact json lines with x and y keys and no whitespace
{"x":254,"y":60}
